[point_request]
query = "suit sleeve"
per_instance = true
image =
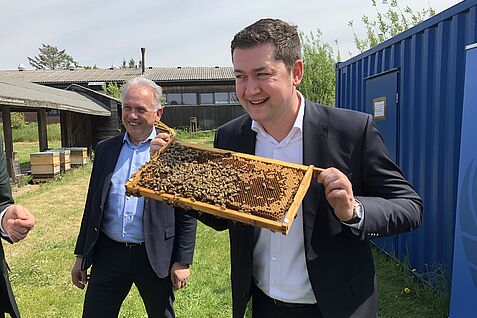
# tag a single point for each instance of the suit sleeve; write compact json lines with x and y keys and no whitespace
{"x":391,"y":205}
{"x":6,"y":198}
{"x":184,"y":242}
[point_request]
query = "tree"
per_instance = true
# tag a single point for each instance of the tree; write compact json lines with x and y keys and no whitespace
{"x":130,"y":64}
{"x":51,"y":58}
{"x":388,"y":23}
{"x":89,"y":67}
{"x":318,"y":82}
{"x":18,"y":120}
{"x":114,"y":90}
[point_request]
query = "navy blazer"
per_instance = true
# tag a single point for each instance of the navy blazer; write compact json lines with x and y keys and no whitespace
{"x":169,"y":235}
{"x":340,"y":263}
{"x":7,"y":300}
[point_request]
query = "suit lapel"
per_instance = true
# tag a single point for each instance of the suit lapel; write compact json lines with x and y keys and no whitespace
{"x":246,"y":141}
{"x":113,"y":149}
{"x":315,"y":132}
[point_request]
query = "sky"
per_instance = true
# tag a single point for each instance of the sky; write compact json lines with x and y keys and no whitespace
{"x":174,"y":33}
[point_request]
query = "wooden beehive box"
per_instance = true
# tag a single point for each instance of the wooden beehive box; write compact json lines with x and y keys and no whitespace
{"x":78,"y":156}
{"x":65,"y":161}
{"x":45,"y":164}
{"x":249,"y":189}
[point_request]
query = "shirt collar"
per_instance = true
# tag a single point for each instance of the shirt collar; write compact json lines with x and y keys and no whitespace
{"x":151,"y":136}
{"x":297,"y":125}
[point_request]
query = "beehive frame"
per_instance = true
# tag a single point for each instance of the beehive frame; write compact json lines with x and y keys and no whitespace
{"x":282,"y":226}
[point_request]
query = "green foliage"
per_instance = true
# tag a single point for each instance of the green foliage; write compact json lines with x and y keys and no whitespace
{"x":51,"y":58}
{"x":389,"y":22}
{"x":18,"y":120}
{"x":113,"y":89}
{"x":87,"y":67}
{"x":129,"y":64}
{"x":318,"y":82}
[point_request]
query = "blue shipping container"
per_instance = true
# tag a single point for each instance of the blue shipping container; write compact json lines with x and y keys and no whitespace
{"x":414,"y":84}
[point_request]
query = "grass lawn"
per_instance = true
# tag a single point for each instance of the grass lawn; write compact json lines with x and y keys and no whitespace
{"x":41,"y":265}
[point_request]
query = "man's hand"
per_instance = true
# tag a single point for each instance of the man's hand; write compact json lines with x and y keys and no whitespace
{"x":17,"y":222}
{"x":78,"y":277}
{"x":339,"y":192}
{"x":179,"y":275}
{"x":159,"y":142}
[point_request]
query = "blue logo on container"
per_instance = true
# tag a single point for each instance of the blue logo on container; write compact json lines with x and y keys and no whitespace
{"x":468,"y":218}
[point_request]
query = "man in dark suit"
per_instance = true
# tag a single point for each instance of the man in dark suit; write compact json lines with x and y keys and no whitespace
{"x":16,"y":222}
{"x":324,"y":266}
{"x":126,"y":239}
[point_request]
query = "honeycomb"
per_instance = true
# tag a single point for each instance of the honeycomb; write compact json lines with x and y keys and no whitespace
{"x":228,"y":182}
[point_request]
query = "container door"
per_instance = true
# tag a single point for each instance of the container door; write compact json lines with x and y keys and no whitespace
{"x":382,"y":102}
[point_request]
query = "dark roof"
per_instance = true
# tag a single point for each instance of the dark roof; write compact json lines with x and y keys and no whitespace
{"x":23,"y":94}
{"x":78,"y":88}
{"x":161,"y":74}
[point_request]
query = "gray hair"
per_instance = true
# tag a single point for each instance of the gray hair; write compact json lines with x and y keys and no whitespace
{"x":141,"y":81}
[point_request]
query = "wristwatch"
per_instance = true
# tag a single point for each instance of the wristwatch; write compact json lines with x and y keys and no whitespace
{"x":357,"y":214}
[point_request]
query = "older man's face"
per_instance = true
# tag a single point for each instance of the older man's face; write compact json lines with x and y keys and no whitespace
{"x":138,"y":115}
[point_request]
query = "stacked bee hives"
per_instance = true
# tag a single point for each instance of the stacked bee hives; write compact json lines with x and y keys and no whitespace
{"x":78,"y":156}
{"x":45,"y":164}
{"x":249,"y":189}
{"x":65,"y":161}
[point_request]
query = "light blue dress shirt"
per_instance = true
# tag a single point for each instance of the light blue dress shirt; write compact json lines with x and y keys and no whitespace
{"x":122,"y":219}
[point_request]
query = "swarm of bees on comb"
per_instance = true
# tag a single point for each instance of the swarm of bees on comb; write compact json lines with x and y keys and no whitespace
{"x":222,"y":180}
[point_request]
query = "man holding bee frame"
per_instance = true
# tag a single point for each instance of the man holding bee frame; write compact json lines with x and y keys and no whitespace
{"x":324,"y":266}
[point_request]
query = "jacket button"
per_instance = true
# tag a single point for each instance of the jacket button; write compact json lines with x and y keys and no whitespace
{"x":96,"y":229}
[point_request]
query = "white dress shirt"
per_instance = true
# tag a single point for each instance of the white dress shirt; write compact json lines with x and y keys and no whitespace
{"x":279,"y":266}
{"x":2,"y":231}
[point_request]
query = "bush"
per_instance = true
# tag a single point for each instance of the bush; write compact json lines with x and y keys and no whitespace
{"x":18,"y":120}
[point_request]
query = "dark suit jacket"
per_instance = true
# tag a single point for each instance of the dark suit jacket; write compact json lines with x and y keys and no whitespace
{"x":340,"y":263}
{"x":169,"y":236}
{"x":7,"y":301}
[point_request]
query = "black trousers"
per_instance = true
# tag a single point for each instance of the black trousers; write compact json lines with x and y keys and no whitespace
{"x":265,"y":307}
{"x":115,"y":268}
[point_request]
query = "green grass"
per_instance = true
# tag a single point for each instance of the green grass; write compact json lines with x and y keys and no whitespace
{"x":41,"y":265}
{"x":29,"y":132}
{"x":201,"y":137}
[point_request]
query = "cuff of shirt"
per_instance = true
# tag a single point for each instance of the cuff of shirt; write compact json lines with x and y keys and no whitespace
{"x":2,"y":231}
{"x":355,"y":228}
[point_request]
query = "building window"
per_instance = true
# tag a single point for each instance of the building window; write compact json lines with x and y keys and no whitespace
{"x":221,"y":98}
{"x":233,"y":98}
{"x":53,"y":112}
{"x":189,"y":98}
{"x":206,"y":98}
{"x":173,"y":99}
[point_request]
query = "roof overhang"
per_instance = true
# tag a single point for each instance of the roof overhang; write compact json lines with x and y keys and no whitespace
{"x":22,"y":94}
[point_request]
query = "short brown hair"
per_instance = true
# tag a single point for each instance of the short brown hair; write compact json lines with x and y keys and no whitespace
{"x":282,"y":35}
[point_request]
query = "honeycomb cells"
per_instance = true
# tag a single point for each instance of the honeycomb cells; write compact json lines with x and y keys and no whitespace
{"x":223,"y":180}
